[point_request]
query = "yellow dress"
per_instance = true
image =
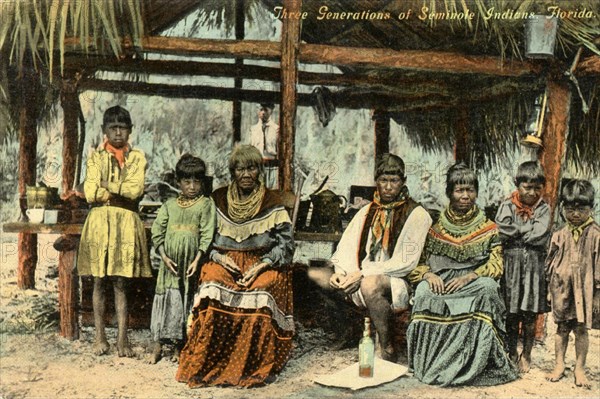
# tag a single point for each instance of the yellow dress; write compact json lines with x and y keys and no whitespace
{"x":113,"y":240}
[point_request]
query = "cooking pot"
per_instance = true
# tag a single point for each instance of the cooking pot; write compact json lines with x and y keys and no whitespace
{"x":327,"y":208}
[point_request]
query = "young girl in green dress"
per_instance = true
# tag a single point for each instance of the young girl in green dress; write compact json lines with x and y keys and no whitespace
{"x":181,"y":234}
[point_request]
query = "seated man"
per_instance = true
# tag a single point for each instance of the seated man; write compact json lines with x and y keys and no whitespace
{"x":379,"y":248}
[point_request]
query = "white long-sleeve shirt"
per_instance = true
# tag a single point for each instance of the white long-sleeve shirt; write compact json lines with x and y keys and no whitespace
{"x":265,"y":141}
{"x":405,"y":258}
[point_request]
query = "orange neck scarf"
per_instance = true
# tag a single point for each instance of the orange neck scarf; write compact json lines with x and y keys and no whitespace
{"x":524,"y":211}
{"x":382,"y":221}
{"x":119,"y":153}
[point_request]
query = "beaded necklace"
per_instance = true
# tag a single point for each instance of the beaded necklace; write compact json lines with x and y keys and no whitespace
{"x":187,"y":202}
{"x":241,"y":210}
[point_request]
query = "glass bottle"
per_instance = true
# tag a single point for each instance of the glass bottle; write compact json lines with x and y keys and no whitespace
{"x":366,"y":352}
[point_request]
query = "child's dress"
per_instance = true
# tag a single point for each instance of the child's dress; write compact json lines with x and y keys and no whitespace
{"x":183,"y":227}
{"x":524,"y":244}
{"x":573,"y":270}
{"x":113,"y":239}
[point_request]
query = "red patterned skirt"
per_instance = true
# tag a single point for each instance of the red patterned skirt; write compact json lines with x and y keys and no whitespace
{"x":239,"y":336}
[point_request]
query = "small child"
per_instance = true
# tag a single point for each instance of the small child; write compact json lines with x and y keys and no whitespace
{"x":113,"y":241}
{"x":524,"y":224}
{"x":573,"y":273}
{"x":181,"y":234}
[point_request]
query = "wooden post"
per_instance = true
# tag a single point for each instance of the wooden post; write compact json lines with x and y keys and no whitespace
{"x":382,"y":132}
{"x":240,"y":33}
{"x":290,"y":42}
{"x":28,"y":115}
{"x":68,"y":290}
{"x":69,"y":99}
{"x":462,"y":134}
{"x":555,"y":137}
{"x":67,"y":282}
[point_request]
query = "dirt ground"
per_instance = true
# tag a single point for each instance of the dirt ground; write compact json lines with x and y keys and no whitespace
{"x":35,"y":362}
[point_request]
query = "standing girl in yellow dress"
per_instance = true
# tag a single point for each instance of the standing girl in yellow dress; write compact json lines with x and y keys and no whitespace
{"x":113,"y":241}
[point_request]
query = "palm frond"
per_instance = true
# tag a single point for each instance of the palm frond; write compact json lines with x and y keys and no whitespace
{"x":36,"y":29}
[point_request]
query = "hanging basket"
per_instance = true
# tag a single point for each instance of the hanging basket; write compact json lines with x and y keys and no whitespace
{"x":540,"y":36}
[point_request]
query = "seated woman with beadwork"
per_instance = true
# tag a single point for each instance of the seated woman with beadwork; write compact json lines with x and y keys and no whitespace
{"x":456,"y":332}
{"x":242,"y":325}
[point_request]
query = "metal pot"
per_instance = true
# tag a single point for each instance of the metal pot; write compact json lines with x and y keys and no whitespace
{"x":327,"y":208}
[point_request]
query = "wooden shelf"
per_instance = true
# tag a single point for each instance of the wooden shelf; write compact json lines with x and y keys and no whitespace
{"x":309,"y":236}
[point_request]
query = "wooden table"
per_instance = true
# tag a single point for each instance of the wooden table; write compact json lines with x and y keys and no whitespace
{"x":68,"y":282}
{"x":308,"y":236}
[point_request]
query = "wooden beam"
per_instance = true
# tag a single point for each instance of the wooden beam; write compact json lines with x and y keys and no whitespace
{"x":433,"y":61}
{"x":67,"y":281}
{"x":256,"y":72}
{"x":382,"y":132}
{"x":589,"y":66}
{"x":251,"y":49}
{"x":290,"y":41}
{"x":68,"y":291}
{"x":350,"y":99}
{"x":555,"y":137}
{"x":177,"y":91}
{"x":70,"y":104}
{"x":240,"y":33}
{"x":28,"y":116}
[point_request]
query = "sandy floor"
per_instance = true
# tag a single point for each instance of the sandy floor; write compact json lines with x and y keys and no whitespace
{"x":36,"y":363}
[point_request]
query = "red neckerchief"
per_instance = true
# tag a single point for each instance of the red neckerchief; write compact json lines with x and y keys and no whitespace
{"x":524,"y":211}
{"x":119,"y":153}
{"x":382,"y":221}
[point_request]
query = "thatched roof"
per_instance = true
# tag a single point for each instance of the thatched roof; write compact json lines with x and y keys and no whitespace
{"x":430,"y":103}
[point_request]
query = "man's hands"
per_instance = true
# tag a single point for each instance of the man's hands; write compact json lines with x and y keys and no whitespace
{"x":438,"y":287}
{"x":349,"y":283}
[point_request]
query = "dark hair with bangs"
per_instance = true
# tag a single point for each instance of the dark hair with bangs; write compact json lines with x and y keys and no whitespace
{"x":189,"y":167}
{"x":530,"y":172}
{"x":389,"y":164}
{"x":116,"y":114}
{"x":460,"y":174}
{"x":578,"y":192}
{"x":245,"y":155}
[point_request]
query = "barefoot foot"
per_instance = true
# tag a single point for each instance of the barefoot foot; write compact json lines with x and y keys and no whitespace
{"x":124,"y":349}
{"x":581,"y":379}
{"x":175,"y":357}
{"x":557,"y":374}
{"x":524,"y":364}
{"x":101,"y":347}
{"x":156,"y":353}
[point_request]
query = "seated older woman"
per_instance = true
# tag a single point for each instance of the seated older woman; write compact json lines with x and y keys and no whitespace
{"x":455,"y":334}
{"x":242,"y":324}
